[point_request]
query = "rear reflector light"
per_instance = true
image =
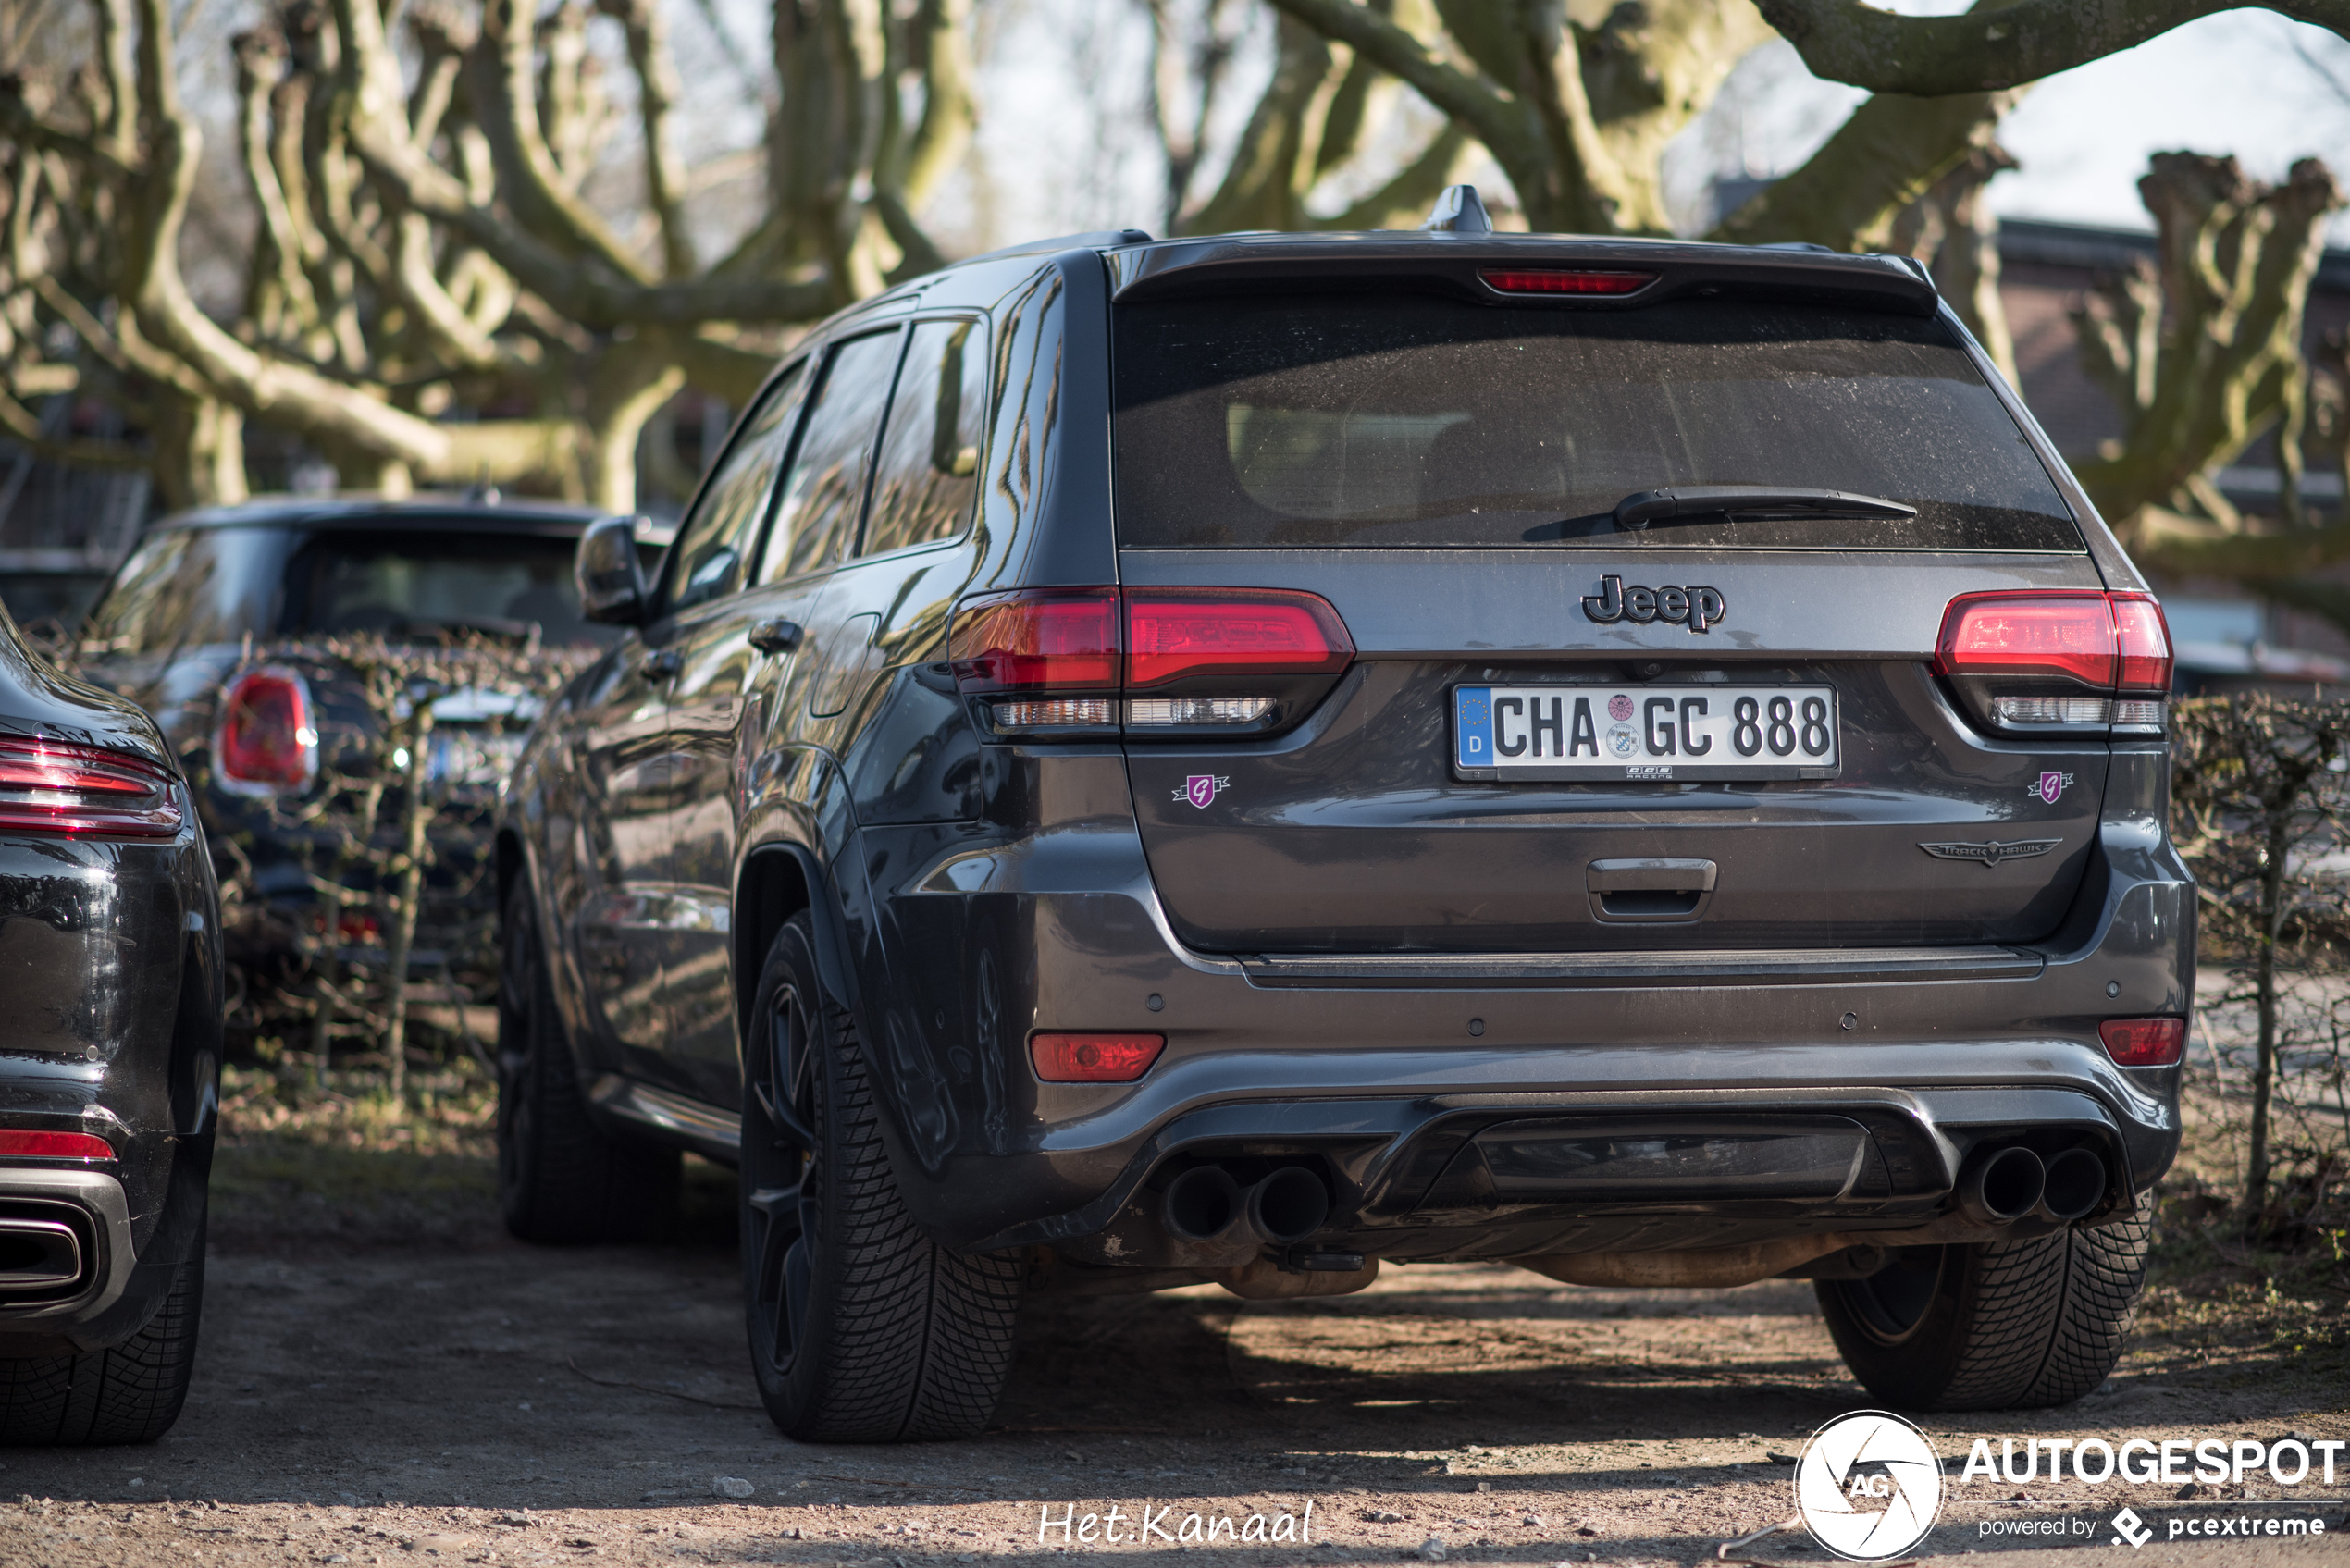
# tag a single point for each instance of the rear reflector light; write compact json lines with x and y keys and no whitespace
{"x":267,"y":740}
{"x":1243,"y":631}
{"x":1093,"y":1058}
{"x":18,"y":1144}
{"x":2144,"y":1042}
{"x":46,"y":787}
{"x":1556,"y":282}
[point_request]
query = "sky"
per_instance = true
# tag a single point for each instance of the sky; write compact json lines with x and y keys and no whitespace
{"x":2233,"y":83}
{"x":1053,"y":71}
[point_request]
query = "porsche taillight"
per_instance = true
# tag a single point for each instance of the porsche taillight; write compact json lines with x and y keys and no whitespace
{"x":83,"y":791}
{"x":268,"y":739}
{"x":2027,"y":663}
{"x":1154,"y":661}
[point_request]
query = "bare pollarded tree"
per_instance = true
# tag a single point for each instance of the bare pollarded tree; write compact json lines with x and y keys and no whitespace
{"x":424,"y":242}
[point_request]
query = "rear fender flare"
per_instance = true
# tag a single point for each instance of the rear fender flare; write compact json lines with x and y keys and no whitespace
{"x":778,"y":880}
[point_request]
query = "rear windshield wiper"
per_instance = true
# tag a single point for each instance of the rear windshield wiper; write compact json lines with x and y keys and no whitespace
{"x":1699,"y":501}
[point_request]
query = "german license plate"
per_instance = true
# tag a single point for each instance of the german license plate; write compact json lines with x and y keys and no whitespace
{"x":1655,"y":733}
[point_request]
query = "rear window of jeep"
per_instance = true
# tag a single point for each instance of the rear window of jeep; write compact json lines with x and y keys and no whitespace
{"x":1406,"y":421}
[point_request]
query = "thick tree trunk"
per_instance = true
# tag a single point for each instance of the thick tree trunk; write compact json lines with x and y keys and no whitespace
{"x":199,"y":450}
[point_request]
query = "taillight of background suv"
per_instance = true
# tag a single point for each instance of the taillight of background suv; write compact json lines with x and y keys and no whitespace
{"x":2057,"y":662}
{"x":1157,"y":663}
{"x":82,"y":791}
{"x":268,"y":737}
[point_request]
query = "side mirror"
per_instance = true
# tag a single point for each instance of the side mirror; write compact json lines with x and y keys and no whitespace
{"x":611,"y":584}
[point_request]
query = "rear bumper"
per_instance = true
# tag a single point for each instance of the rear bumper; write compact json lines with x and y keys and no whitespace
{"x":1391,"y":1074}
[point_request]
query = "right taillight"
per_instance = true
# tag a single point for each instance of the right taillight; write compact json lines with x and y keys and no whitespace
{"x":1158,"y":662}
{"x":82,"y":791}
{"x":267,"y":740}
{"x":2144,"y":1042}
{"x":2028,"y":663}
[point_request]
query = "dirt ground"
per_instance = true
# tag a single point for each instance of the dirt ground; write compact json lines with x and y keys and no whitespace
{"x":385,"y":1378}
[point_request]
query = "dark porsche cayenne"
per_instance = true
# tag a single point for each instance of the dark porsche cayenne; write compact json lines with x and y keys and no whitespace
{"x":109,"y":1062}
{"x":1247,"y":758}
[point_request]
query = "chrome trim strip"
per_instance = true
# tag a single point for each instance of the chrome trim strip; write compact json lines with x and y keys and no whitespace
{"x":1731,"y":966}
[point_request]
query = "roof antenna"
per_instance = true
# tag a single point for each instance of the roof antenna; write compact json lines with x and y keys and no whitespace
{"x":1458,"y":211}
{"x":483,"y":492}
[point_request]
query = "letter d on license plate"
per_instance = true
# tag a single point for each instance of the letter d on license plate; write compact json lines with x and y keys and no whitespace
{"x":1645,"y":734}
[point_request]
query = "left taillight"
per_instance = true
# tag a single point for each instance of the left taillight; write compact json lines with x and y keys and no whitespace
{"x":83,"y":791}
{"x":1158,"y":662}
{"x":267,"y":740}
{"x":2029,"y":663}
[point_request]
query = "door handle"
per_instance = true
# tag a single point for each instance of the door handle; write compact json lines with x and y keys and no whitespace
{"x":661,"y":665}
{"x":1650,"y":888}
{"x":1650,"y":875}
{"x":774,"y":635}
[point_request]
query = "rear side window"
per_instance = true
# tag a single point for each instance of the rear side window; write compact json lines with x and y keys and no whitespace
{"x":927,"y":473}
{"x":1406,"y":421}
{"x":825,"y":491}
{"x":185,"y":588}
{"x":424,"y":583}
{"x":712,"y":547}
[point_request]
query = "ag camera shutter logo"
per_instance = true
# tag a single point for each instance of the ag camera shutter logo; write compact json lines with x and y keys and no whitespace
{"x":1868,"y":1486}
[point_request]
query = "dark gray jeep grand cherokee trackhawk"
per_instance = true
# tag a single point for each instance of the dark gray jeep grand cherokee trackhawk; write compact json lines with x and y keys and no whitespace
{"x":1240,"y":758}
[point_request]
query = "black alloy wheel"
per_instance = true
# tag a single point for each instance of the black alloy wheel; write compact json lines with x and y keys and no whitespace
{"x":861,"y":1328}
{"x":782,"y":1178}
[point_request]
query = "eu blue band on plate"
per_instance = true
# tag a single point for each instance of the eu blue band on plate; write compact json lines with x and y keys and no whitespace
{"x":1473,"y":725}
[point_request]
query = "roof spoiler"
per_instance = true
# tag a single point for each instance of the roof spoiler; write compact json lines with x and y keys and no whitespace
{"x":1457,"y":246}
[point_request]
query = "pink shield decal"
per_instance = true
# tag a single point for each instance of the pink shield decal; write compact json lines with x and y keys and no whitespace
{"x":1200,"y":789}
{"x":2051,"y":787}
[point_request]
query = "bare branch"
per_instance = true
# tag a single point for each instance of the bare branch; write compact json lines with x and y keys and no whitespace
{"x":1849,"y":41}
{"x":1501,"y":123}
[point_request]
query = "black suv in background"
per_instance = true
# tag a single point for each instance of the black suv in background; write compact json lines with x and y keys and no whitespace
{"x":1244,"y":757}
{"x":214,"y":625}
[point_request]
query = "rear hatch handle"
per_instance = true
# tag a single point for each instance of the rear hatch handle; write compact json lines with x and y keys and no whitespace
{"x":1652,"y":888}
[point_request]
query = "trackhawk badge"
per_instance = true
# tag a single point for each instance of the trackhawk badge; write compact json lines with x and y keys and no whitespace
{"x":1993,"y":852}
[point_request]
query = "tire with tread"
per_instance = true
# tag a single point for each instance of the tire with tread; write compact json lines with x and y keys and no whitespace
{"x":2023,"y":1324}
{"x":892,"y":1338}
{"x":560,"y":1180}
{"x":128,"y":1393}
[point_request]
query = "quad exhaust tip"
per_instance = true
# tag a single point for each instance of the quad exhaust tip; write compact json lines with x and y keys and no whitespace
{"x":2006,"y":1185}
{"x":1205,"y":1204}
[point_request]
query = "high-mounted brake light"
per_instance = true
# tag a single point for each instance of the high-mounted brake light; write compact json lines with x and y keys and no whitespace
{"x":2023,"y":660}
{"x":268,"y":740}
{"x":1077,"y":1057}
{"x":1067,"y":658}
{"x":1556,"y":282}
{"x":2144,"y":1042}
{"x":21,"y":1143}
{"x":83,"y":791}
